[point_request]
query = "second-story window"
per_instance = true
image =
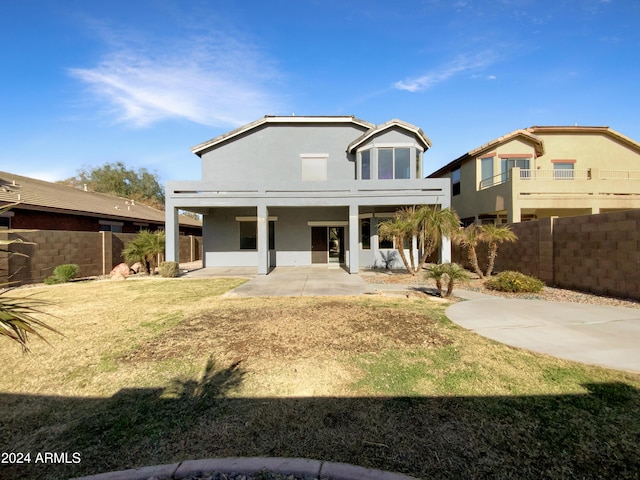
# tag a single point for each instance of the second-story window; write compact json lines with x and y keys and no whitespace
{"x":486,"y":172}
{"x":394,"y":163}
{"x":563,"y":170}
{"x":365,"y":165}
{"x":455,"y":181}
{"x":509,"y":163}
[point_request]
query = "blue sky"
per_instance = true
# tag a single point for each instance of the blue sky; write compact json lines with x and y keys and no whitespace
{"x":86,"y":82}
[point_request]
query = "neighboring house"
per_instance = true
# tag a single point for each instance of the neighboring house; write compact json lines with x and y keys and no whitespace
{"x":545,"y":171}
{"x":50,"y":206}
{"x":289,"y":191}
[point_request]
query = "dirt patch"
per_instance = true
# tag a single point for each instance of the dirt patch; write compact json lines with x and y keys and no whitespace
{"x":295,"y":329}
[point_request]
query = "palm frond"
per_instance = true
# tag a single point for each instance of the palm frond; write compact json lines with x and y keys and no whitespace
{"x":18,"y":318}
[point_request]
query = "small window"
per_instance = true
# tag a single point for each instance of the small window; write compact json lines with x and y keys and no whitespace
{"x":418,"y":163}
{"x":365,"y":165}
{"x":455,"y":181}
{"x":563,"y":170}
{"x":314,"y":167}
{"x":365,"y":233}
{"x":248,"y":235}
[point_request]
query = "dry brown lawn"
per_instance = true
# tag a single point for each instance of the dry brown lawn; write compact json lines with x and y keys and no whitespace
{"x":155,"y":371}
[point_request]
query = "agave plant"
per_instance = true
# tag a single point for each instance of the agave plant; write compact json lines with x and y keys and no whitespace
{"x":18,"y":320}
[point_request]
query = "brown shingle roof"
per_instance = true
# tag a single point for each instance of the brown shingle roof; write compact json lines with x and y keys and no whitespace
{"x":40,"y":195}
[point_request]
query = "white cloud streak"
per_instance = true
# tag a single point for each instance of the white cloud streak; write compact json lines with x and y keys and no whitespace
{"x":459,"y":66}
{"x":211,"y":81}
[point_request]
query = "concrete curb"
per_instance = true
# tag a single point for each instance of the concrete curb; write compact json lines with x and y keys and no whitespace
{"x":251,"y":465}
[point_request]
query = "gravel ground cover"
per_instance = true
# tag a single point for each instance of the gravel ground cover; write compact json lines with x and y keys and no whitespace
{"x":549,"y":293}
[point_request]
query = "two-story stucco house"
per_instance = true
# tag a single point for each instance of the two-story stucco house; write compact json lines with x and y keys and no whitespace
{"x":302,"y":191}
{"x":541,"y":172}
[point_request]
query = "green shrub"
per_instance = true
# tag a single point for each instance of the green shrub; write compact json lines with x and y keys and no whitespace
{"x":63,"y":273}
{"x":516,"y":282}
{"x":169,"y":269}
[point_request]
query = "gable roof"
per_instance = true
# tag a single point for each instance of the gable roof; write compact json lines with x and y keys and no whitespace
{"x":395,"y":123}
{"x":200,"y":148}
{"x":34,"y":194}
{"x":533,"y":134}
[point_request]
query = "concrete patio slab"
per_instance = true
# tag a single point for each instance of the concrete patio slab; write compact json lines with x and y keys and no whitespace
{"x":303,"y":282}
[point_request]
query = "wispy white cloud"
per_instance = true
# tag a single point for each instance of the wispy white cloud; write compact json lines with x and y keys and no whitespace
{"x":460,"y":65}
{"x":212,"y":80}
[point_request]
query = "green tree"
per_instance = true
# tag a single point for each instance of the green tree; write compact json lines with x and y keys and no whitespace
{"x":116,"y":179}
{"x":469,"y":238}
{"x":434,"y":223}
{"x":396,"y":231}
{"x":494,"y":235}
{"x":145,"y":248}
{"x":428,"y":224}
{"x":18,"y":315}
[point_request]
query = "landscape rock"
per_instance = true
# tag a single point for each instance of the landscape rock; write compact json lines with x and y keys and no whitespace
{"x":117,"y":276}
{"x":137,"y":267}
{"x":122,"y":269}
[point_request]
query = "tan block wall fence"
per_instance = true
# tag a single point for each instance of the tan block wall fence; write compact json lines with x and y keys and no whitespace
{"x":95,"y":252}
{"x":591,"y":253}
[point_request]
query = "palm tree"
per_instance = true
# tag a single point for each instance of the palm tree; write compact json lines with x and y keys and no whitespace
{"x":451,"y":273}
{"x":145,"y":248}
{"x":17,"y":318}
{"x":468,"y":238}
{"x":495,"y":235}
{"x":434,"y":223}
{"x":396,"y":231}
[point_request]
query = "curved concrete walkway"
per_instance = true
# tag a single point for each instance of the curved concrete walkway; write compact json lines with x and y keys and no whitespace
{"x":592,"y":334}
{"x":250,"y":466}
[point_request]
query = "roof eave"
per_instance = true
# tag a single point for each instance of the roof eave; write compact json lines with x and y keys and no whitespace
{"x":386,"y":126}
{"x":200,"y":148}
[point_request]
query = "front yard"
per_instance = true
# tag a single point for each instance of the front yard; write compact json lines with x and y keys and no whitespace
{"x":157,"y":371}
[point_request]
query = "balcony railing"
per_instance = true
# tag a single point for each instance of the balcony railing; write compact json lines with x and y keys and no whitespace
{"x":553,"y":174}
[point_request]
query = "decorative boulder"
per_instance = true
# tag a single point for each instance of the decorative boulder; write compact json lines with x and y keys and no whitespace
{"x":122,"y":269}
{"x":117,"y":276}
{"x":137,"y":267}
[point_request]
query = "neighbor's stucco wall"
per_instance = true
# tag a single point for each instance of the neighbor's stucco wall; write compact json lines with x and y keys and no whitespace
{"x":589,"y":151}
{"x":544,"y":196}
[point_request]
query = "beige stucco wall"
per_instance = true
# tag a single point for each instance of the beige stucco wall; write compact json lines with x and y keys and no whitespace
{"x":589,"y":151}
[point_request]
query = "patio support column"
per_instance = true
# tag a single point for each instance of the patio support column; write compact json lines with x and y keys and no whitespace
{"x":354,"y":237}
{"x":263,"y":240}
{"x":445,"y":250}
{"x":171,"y":228}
